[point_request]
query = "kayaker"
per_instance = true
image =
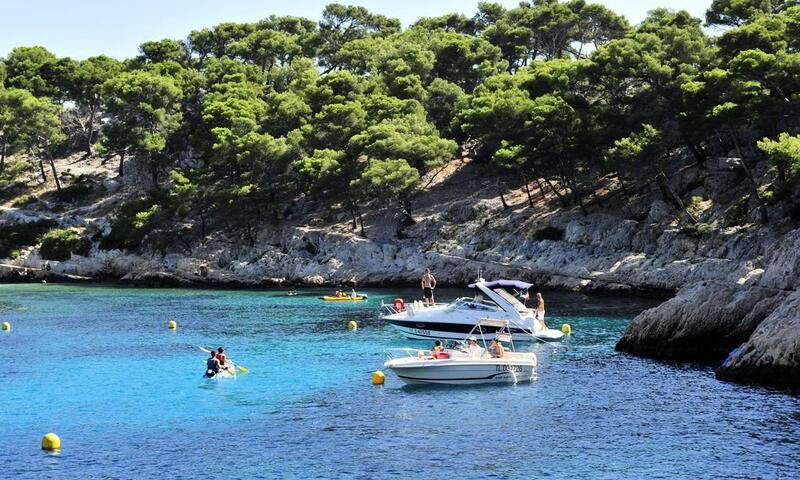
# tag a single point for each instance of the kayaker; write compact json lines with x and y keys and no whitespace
{"x":428,"y":284}
{"x":353,"y":294}
{"x":212,"y":365}
{"x":221,"y":358}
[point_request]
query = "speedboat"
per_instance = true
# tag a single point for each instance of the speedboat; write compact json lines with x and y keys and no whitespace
{"x":456,"y":365}
{"x":455,"y":320}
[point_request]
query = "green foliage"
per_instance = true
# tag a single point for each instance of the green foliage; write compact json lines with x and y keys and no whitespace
{"x":145,"y":109}
{"x":783,"y":153}
{"x":30,"y":68}
{"x":736,"y":12}
{"x":411,"y":138}
{"x":11,"y":177}
{"x":27,"y":123}
{"x":245,"y":116}
{"x":738,"y":212}
{"x":696,"y":230}
{"x":131,"y":223}
{"x":13,"y":237}
{"x":60,"y":243}
{"x":389,"y":179}
{"x":320,"y":170}
{"x":23,"y":200}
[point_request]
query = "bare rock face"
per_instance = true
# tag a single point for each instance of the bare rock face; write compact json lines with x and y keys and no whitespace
{"x":772,"y":354}
{"x":703,"y":322}
{"x":783,"y":263}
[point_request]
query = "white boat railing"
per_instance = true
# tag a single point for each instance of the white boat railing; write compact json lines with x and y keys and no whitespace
{"x":395,"y":353}
{"x":389,"y":307}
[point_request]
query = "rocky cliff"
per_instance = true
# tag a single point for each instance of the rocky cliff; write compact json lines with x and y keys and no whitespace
{"x":731,"y":281}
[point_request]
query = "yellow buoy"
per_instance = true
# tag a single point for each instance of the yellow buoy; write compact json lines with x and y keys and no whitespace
{"x":378,"y":378}
{"x":566,"y":329}
{"x":172,"y":324}
{"x":6,"y":326}
{"x":51,"y":442}
{"x":352,"y":325}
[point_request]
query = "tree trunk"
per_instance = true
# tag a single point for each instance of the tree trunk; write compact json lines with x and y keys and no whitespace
{"x":527,"y":190}
{"x":121,"y":163}
{"x":3,"y":158}
{"x":502,"y":197}
{"x":41,"y":169}
{"x":90,"y":134}
{"x":696,"y":150}
{"x":558,"y":194}
{"x":541,"y":189}
{"x":202,"y":224}
{"x":55,"y":174}
{"x":154,"y":173}
{"x":361,"y":220}
{"x":353,"y":210}
{"x":576,"y":194}
{"x":407,"y":209}
{"x":671,"y":196}
{"x":762,"y":208}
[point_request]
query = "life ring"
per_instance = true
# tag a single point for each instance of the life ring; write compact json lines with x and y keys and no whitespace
{"x":399,"y":304}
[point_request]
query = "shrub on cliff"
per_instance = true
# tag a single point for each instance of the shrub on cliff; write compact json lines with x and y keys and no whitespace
{"x":23,"y":200}
{"x":60,"y":243}
{"x":549,"y":233}
{"x":132,"y":221}
{"x":22,"y":235}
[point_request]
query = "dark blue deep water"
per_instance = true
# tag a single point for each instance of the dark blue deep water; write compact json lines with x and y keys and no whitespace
{"x":98,"y":366}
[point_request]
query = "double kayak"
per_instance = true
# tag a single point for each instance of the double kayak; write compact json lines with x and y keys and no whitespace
{"x":332,"y":298}
{"x":229,"y":372}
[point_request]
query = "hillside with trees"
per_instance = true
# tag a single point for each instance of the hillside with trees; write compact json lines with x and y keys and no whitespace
{"x":234,"y":123}
{"x":553,"y":142}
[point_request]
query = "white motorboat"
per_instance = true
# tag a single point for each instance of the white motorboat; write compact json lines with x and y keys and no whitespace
{"x":456,"y":365}
{"x":455,"y":320}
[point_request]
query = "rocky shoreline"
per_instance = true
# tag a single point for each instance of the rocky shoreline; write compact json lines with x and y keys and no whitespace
{"x":731,"y":287}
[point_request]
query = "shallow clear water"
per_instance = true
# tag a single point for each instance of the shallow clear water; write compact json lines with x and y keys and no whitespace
{"x":98,"y":366}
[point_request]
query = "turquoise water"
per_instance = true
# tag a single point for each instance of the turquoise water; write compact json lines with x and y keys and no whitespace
{"x":98,"y":366}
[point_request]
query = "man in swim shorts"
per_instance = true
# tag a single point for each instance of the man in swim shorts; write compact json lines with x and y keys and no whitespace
{"x":428,"y":284}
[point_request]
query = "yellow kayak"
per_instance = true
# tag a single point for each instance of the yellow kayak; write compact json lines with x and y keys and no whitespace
{"x":343,"y":299}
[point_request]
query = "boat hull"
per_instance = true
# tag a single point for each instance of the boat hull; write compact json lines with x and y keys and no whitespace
{"x":343,"y":299}
{"x":462,"y":372}
{"x":227,"y":374}
{"x":427,"y":330}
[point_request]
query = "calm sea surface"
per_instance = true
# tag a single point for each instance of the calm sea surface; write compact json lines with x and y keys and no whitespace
{"x":98,"y":366}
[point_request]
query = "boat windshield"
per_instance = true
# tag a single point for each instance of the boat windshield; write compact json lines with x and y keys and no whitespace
{"x":519,"y":306}
{"x":471,"y":304}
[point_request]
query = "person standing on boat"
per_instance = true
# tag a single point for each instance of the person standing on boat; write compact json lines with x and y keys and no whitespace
{"x":539,"y":311}
{"x":428,"y":284}
{"x":212,"y":365}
